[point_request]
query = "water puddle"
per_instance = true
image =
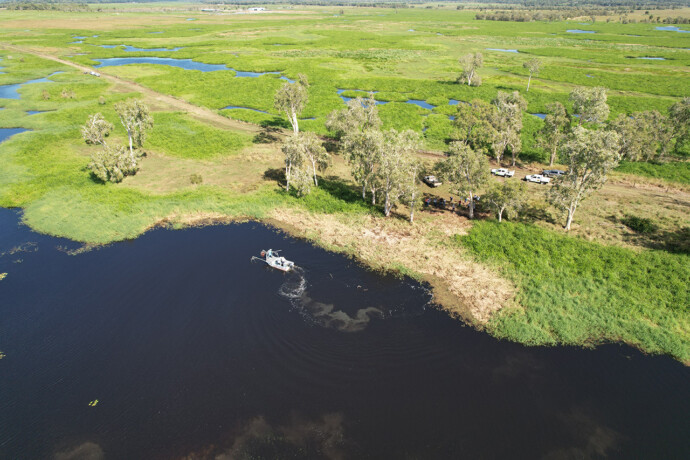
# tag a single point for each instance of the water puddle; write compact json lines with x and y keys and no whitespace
{"x":579,"y":31}
{"x":503,"y":50}
{"x":672,"y":29}
{"x":539,"y":115}
{"x":230,"y":107}
{"x":649,"y":58}
{"x":134,"y":49}
{"x":422,"y":104}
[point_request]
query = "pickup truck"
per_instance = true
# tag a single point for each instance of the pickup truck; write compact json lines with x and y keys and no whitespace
{"x":431,"y":181}
{"x":537,"y":178}
{"x":552,"y":173}
{"x":503,"y":172}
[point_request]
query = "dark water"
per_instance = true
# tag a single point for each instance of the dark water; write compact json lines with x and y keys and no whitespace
{"x":191,"y":349}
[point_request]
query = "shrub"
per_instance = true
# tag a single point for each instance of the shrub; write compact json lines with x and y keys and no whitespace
{"x":112,"y":164}
{"x":196,"y":179}
{"x":45,"y":95}
{"x":639,"y":224}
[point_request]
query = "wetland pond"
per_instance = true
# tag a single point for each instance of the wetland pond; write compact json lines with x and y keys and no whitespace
{"x":193,"y":351}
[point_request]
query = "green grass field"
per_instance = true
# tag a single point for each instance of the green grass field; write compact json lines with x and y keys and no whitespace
{"x":574,"y":291}
{"x":569,"y":290}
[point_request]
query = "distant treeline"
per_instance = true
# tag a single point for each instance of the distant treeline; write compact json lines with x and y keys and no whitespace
{"x":49,"y":5}
{"x":564,"y":15}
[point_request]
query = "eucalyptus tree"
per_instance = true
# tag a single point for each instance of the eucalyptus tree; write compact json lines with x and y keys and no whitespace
{"x":96,"y":129}
{"x":136,"y":119}
{"x":589,"y":104}
{"x":555,"y":129}
{"x":359,"y":115}
{"x":361,"y":141}
{"x":295,"y":158}
{"x":508,"y":124}
{"x":466,"y":170}
{"x":533,"y":66}
{"x":474,"y":124}
{"x":314,"y":153}
{"x":470,"y":63}
{"x":411,"y":185}
{"x":590,"y":155}
{"x":679,"y":115}
{"x":397,"y":155}
{"x":292,"y":98}
{"x":644,"y":136}
{"x":112,"y":164}
{"x":506,"y":196}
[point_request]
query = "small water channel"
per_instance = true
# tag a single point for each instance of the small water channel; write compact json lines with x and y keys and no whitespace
{"x":12,"y":91}
{"x":6,"y":133}
{"x":187,"y":64}
{"x":502,"y":50}
{"x":579,"y":31}
{"x":193,"y":351}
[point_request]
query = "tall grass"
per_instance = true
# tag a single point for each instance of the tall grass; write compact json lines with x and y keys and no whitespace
{"x":576,"y":292}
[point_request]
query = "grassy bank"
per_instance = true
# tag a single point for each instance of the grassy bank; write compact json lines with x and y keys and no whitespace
{"x":572,"y":291}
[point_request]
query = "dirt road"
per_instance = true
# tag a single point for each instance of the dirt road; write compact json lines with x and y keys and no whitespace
{"x":164,"y":101}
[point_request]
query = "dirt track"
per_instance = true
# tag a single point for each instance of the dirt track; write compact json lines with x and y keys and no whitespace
{"x":166,"y":101}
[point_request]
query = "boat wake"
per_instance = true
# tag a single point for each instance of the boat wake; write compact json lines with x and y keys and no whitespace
{"x":325,"y":315}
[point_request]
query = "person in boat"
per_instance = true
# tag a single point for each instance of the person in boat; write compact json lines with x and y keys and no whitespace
{"x":269,"y":253}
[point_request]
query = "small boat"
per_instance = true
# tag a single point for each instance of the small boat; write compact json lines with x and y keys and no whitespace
{"x":274,"y":260}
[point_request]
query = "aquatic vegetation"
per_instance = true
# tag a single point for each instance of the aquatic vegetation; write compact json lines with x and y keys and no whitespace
{"x":93,"y":403}
{"x":578,"y":292}
{"x":3,"y":276}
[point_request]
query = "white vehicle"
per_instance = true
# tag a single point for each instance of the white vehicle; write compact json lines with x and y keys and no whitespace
{"x":537,"y":178}
{"x":503,"y":172}
{"x":431,"y":181}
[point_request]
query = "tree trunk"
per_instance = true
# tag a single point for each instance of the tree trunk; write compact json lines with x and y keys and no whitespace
{"x":387,"y":205}
{"x":313,"y":165}
{"x":571,"y":213}
{"x":373,"y":196}
{"x":414,"y":195}
{"x":295,"y":126}
{"x":364,"y":190}
{"x":471,"y":207}
{"x":514,"y":157}
{"x":554,"y":150}
{"x":131,"y":149}
{"x":500,"y":213}
{"x":528,"y":82}
{"x":287,"y":177}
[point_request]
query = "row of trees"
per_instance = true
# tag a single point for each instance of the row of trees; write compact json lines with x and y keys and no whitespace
{"x":385,"y":166}
{"x":472,"y":62}
{"x":112,"y":163}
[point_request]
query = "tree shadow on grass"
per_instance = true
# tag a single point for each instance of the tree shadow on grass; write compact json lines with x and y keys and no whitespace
{"x":676,"y":241}
{"x":340,"y":189}
{"x":275,"y":122}
{"x":268,"y":135}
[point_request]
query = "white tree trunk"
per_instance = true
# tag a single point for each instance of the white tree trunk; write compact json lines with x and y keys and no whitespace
{"x":471,"y":207}
{"x":528,"y":81}
{"x":293,"y":122}
{"x":571,"y":213}
{"x":500,"y":213}
{"x":364,"y":190}
{"x":387,"y":205}
{"x":131,"y":149}
{"x":553,"y":156}
{"x":287,"y":177}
